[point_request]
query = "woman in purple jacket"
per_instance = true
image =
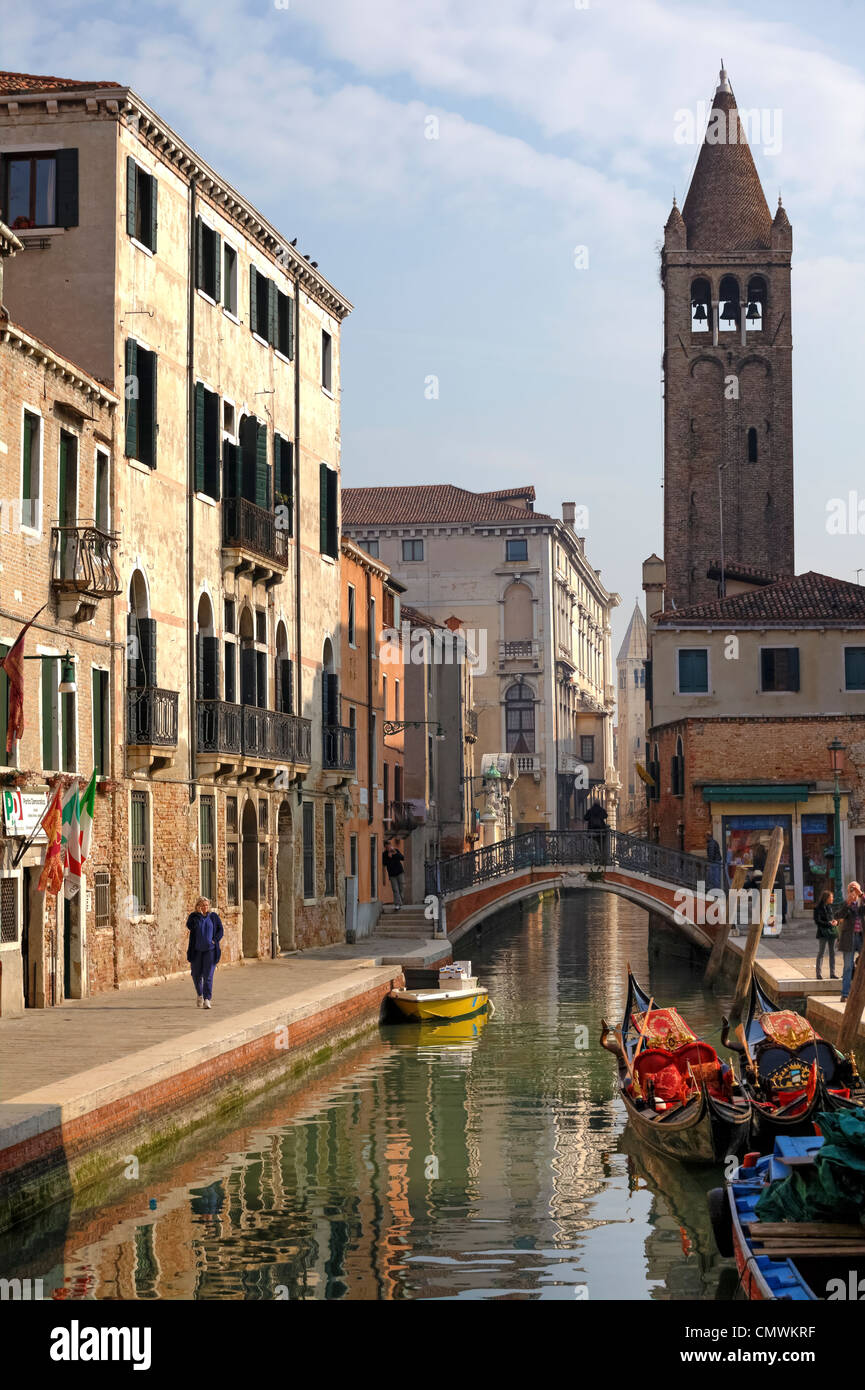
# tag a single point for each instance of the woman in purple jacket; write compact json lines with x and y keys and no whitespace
{"x":203,"y":952}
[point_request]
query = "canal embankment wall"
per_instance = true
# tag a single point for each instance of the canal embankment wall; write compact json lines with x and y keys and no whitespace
{"x":81,"y":1127}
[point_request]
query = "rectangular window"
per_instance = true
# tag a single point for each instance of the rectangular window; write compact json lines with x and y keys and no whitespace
{"x":102,"y":899}
{"x":284,"y":324}
{"x":207,"y":441}
{"x":693,"y":671}
{"x":373,"y":867}
{"x":31,"y":470}
{"x":308,"y":849}
{"x":352,"y":634}
{"x":69,"y":731}
{"x":40,"y":190}
{"x":385,"y":774}
{"x":854,"y":668}
{"x":140,"y":392}
{"x":328,"y":510}
{"x":50,"y":714}
{"x":587,"y":748}
{"x":326,"y":361}
{"x":101,"y":509}
{"x":101,"y":726}
{"x":229,"y":279}
{"x":779,"y":668}
{"x":412,"y":550}
{"x":208,"y":260}
{"x":263,"y":814}
{"x":260,"y":625}
{"x":230,"y":611}
{"x":283,"y":482}
{"x":231,"y":874}
{"x":517,"y":550}
{"x":230,"y":664}
{"x":141,"y":191}
{"x":371,"y":547}
{"x":396,"y":713}
{"x":207,"y":849}
{"x":384,"y":695}
{"x":139,"y":840}
{"x":352,"y":855}
{"x":263,"y":876}
{"x":260,"y":293}
{"x":329,"y":850}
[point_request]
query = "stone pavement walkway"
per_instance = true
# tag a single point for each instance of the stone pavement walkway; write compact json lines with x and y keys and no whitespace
{"x":787,"y":963}
{"x":46,"y":1046}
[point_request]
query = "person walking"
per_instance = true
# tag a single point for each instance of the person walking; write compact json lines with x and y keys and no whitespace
{"x":827,"y":932}
{"x":714,"y":860}
{"x":596,"y":820}
{"x":393,"y":861}
{"x":203,"y":951}
{"x":850,"y":921}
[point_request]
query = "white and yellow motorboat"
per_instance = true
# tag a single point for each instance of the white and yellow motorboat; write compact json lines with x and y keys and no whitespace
{"x":441,"y":1005}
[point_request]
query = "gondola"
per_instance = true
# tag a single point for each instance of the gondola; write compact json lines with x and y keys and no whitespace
{"x":680,"y":1098}
{"x":789,"y":1072}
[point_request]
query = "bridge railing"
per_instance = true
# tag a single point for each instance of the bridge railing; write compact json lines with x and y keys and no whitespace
{"x":597,"y":849}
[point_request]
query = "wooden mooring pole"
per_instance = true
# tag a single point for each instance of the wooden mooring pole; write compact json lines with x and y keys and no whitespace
{"x":746,"y":969}
{"x":720,"y":943}
{"x":849,"y":1033}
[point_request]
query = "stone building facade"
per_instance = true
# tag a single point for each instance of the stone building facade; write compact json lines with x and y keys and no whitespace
{"x":372,"y":695}
{"x":725,"y":270}
{"x":745,"y":695}
{"x":631,"y":733}
{"x":537,"y":616}
{"x":222,"y":343}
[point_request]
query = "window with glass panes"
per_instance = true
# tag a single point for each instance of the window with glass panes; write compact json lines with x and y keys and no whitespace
{"x":31,"y":452}
{"x":854,"y":668}
{"x":232,"y":851}
{"x":308,"y":824}
{"x":207,"y":848}
{"x":329,"y":850}
{"x":139,"y":842}
{"x":693,"y":671}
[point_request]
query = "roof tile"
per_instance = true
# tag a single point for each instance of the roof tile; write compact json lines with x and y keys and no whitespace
{"x":800,"y":598}
{"x":428,"y":503}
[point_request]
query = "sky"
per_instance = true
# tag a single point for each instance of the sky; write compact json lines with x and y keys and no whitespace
{"x":488,"y":181}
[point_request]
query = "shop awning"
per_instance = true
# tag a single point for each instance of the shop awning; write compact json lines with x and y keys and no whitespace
{"x":757,"y":791}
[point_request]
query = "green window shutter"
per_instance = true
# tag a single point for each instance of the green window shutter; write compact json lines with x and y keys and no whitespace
{"x":211,"y":444}
{"x":290,"y":317}
{"x":153,"y":417}
{"x":322,"y":507}
{"x":131,"y":392}
{"x":27,"y":450}
{"x":98,"y":729}
{"x":131,"y":175}
{"x":50,"y":751}
{"x":153,"y":218}
{"x":261,"y":469}
{"x":231,"y":469}
{"x":199,"y":254}
{"x":272,"y":325}
{"x":217,"y":266}
{"x":253,"y":300}
{"x":66,"y":205}
{"x":332,"y":512}
{"x":199,"y":437}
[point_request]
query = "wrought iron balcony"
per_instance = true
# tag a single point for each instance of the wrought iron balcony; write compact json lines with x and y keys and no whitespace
{"x":151,"y":717}
{"x":82,"y":560}
{"x":403,"y":818}
{"x":338,"y":748}
{"x":254,"y":529}
{"x":253,"y":732}
{"x":526,"y":650}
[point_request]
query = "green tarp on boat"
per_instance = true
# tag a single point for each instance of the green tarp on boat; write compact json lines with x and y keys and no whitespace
{"x":834,"y":1189}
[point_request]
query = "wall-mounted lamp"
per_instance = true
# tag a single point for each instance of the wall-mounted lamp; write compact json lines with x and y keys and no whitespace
{"x":67,"y":675}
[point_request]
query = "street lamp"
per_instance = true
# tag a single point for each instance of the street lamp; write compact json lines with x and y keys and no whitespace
{"x":837,"y":749}
{"x":396,"y":726}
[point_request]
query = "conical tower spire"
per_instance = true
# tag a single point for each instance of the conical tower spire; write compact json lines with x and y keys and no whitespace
{"x":726,"y":209}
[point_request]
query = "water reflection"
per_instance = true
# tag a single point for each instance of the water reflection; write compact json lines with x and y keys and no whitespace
{"x":478,"y":1160}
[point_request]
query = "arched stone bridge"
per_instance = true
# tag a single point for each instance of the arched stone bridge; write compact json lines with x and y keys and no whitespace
{"x":470,"y":887}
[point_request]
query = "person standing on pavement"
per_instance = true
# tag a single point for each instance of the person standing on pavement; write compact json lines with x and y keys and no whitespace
{"x":850,"y":919}
{"x":714,"y":859}
{"x":203,"y":951}
{"x":393,"y":861}
{"x":827,"y":932}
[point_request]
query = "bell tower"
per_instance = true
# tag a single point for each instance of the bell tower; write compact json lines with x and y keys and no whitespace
{"x":728,"y":427}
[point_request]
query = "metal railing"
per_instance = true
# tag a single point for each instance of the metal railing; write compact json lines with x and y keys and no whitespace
{"x":517,"y":651}
{"x":151,"y":717}
{"x":253,"y":528}
{"x":593,"y":849}
{"x":337,"y":753}
{"x":248,"y":729}
{"x":82,"y":560}
{"x":403,"y":817}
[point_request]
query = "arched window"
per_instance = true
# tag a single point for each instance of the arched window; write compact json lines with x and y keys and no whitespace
{"x":701,"y":306}
{"x":283,"y":672}
{"x":329,"y":689}
{"x":755,"y":309}
{"x":518,"y":613}
{"x":140,"y":636}
{"x":206,"y":653}
{"x":520,"y":719}
{"x":752,"y":445}
{"x":677,"y":770}
{"x":729,"y":310}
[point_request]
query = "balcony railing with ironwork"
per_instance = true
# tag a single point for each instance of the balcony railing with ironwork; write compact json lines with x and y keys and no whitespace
{"x":151,"y":717}
{"x":403,"y":817}
{"x":337,"y":752}
{"x":518,"y":651}
{"x":82,"y":560}
{"x":246,"y":526}
{"x":252,"y":731}
{"x":471,"y":725}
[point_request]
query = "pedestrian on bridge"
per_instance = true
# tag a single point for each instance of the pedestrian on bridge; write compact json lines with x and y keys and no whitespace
{"x":203,"y":952}
{"x":596,"y":820}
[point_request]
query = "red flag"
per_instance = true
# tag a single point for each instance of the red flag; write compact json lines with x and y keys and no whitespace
{"x":13,"y":665}
{"x":51,"y":877}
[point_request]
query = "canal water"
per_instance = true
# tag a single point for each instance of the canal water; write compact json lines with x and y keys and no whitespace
{"x":486,"y":1161}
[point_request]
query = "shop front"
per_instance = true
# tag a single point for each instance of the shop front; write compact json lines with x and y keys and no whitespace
{"x":744,"y":817}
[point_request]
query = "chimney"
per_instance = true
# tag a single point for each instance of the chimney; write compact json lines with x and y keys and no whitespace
{"x":654,"y":583}
{"x":568,"y":513}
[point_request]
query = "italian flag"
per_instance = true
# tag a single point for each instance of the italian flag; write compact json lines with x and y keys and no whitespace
{"x":77,"y":827}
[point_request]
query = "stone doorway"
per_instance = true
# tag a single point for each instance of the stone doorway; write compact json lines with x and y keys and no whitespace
{"x":249,"y":879}
{"x":285,"y":879}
